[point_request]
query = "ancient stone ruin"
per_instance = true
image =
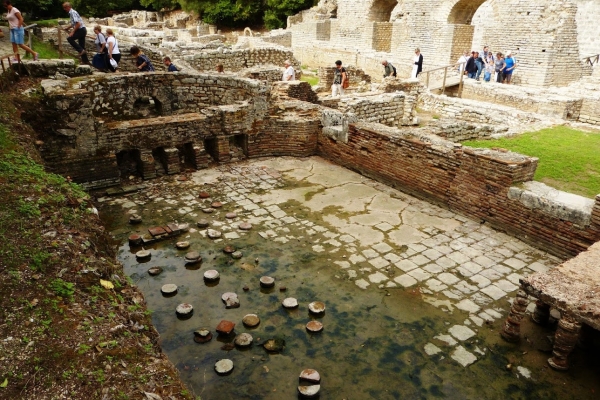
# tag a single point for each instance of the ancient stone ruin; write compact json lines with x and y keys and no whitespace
{"x":106,"y":127}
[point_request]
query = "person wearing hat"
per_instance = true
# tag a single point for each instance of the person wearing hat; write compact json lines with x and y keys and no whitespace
{"x":289,"y":74}
{"x":510,"y":65}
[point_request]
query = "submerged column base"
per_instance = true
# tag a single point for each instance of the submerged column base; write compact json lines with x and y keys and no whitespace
{"x":512,"y":325}
{"x":565,"y":340}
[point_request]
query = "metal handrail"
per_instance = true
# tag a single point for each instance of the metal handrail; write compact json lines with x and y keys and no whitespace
{"x":462,"y":66}
{"x":594,"y":59}
{"x":28,"y":27}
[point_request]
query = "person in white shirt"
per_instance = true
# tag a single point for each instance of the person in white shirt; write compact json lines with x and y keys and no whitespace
{"x":463,"y":61}
{"x":289,"y":74}
{"x":17,"y":32}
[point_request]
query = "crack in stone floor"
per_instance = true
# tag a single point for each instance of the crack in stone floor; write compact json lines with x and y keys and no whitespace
{"x":382,"y":240}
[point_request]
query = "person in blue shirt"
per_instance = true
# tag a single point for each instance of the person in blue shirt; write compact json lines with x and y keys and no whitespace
{"x":170,"y":66}
{"x":509,"y":68}
{"x":142,"y":62}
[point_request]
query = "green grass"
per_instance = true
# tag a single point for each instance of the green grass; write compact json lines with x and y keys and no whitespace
{"x":569,"y":160}
{"x":45,"y":23}
{"x":312,"y":80}
{"x":46,"y":50}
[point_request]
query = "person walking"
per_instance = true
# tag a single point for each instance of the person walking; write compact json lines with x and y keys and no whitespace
{"x":480,"y":64}
{"x":289,"y":74}
{"x":17,"y":31}
{"x":100,"y":60}
{"x":509,"y":67}
{"x":170,"y":66}
{"x":462,"y":62}
{"x":471,"y":67}
{"x":418,"y":63}
{"x":142,"y":62}
{"x":78,"y":32}
{"x":339,"y":80}
{"x":114,"y":54}
{"x":388,"y":69}
{"x":499,"y":67}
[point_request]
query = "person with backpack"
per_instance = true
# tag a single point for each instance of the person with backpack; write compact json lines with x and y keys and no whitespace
{"x":340,"y":80}
{"x":388,"y":69}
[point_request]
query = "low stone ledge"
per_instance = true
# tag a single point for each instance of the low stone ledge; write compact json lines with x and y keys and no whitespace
{"x":45,"y":68}
{"x":566,"y":206}
{"x":179,"y":118}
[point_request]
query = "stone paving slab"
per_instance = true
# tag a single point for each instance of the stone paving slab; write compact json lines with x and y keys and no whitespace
{"x":383,"y":238}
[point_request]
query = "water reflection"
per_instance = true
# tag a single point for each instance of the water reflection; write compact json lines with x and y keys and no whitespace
{"x":371,"y":345}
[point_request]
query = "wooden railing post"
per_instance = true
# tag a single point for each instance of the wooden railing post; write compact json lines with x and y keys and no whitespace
{"x":460,"y":83}
{"x":60,"y":50}
{"x":444,"y":81}
{"x":427,"y":80}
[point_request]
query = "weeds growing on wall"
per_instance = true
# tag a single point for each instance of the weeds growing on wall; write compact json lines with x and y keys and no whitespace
{"x":57,"y":318}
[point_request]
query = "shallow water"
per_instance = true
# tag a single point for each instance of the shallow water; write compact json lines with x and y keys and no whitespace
{"x":372,"y":345}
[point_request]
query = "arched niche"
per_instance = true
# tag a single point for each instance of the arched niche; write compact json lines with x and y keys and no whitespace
{"x":381,"y":10}
{"x":463,"y":11}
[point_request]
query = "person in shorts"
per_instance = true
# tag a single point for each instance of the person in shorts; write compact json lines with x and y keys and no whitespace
{"x":17,"y":31}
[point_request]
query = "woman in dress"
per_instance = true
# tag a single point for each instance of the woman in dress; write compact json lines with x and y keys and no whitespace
{"x":113,"y":50}
{"x":418,"y":64}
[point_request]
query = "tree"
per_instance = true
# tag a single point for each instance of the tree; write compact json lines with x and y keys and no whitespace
{"x":226,"y":12}
{"x":277,"y":11}
{"x":160,"y":4}
{"x":95,"y":8}
{"x":35,"y":9}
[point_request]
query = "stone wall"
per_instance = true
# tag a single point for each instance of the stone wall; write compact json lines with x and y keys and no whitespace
{"x":483,"y":113}
{"x":475,"y":182}
{"x":170,"y":118}
{"x":543,"y":34}
{"x":533,"y":100}
{"x":386,"y":109}
{"x":292,"y":129}
{"x":235,"y":60}
{"x":382,"y":36}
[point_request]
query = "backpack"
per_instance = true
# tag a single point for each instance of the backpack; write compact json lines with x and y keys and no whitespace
{"x":346,"y":83}
{"x":394,"y":68}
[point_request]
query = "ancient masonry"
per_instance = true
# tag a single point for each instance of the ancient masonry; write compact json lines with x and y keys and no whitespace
{"x":153,"y":122}
{"x":550,"y":38}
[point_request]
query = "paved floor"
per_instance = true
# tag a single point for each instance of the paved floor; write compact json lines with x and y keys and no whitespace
{"x":378,"y":238}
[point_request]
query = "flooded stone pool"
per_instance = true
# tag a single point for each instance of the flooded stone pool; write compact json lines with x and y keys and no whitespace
{"x":415,"y":295}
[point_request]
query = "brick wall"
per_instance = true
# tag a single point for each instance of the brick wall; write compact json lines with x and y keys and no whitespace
{"x":205,"y":114}
{"x":533,"y":100}
{"x":382,"y":36}
{"x":474,"y":182}
{"x":292,"y":130}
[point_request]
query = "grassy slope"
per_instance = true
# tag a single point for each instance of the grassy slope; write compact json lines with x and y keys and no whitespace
{"x":55,"y":315}
{"x":569,"y":159}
